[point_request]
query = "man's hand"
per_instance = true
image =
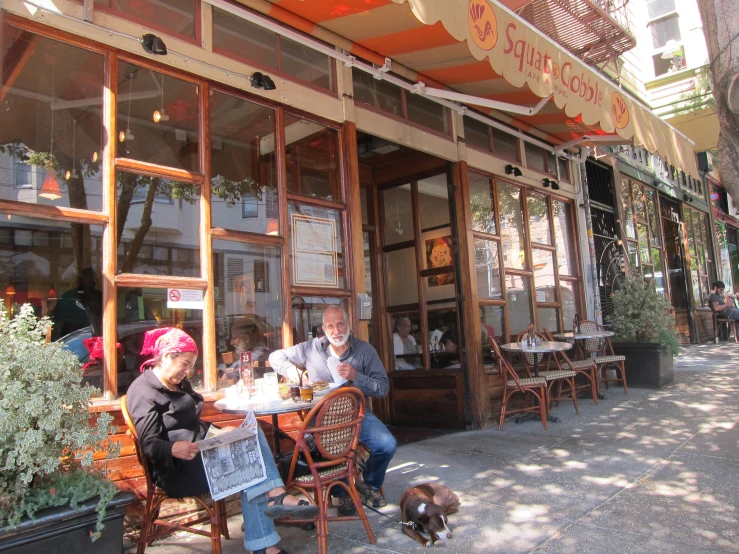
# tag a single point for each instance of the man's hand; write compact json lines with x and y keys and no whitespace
{"x":184,"y":450}
{"x":346,"y":371}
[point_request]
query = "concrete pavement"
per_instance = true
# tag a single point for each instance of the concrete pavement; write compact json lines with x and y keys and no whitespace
{"x":644,"y":472}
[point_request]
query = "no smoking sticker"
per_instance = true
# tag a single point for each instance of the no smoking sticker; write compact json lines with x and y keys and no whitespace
{"x":184,"y":299}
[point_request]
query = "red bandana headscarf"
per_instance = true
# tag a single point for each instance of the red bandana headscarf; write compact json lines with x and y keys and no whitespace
{"x":166,"y":340}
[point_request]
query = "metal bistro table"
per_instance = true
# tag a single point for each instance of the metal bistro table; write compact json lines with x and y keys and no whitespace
{"x":543,"y":347}
{"x":286,"y":407}
{"x":580,"y":338}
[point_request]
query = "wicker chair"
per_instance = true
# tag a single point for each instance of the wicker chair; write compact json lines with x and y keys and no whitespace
{"x":585,"y":368}
{"x":512,"y":384}
{"x":605,"y":358}
{"x":718,"y":321}
{"x":553,"y":376}
{"x":155,"y":497}
{"x":334,"y":423}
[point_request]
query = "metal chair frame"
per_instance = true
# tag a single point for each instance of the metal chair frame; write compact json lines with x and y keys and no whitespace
{"x":718,"y":321}
{"x":604,"y":356}
{"x":585,"y":368}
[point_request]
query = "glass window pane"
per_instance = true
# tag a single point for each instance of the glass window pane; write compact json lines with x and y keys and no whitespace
{"x":243,"y":184}
{"x":433,"y":203}
{"x":564,"y":169}
{"x":570,"y":301}
{"x":505,"y":145}
{"x":407,"y":343}
{"x":659,"y":277}
{"x":551,"y":163}
{"x":518,"y":293}
{"x":538,"y":218}
{"x":657,"y":8}
{"x":544,"y":275}
{"x":548,"y":318}
{"x":243,"y":40}
{"x":444,"y":338}
{"x":564,"y":239}
{"x":377,"y":93}
{"x":316,"y":246}
{"x":248,"y":304}
{"x":639,"y":201}
{"x":306,"y":64}
{"x":633,"y":254}
{"x":476,"y":134}
{"x":665,"y":30}
{"x":491,"y":324}
{"x":427,"y":113}
{"x":481,"y":204}
{"x":308,"y":315}
{"x":535,"y":157}
{"x":398,"y":215}
{"x":487,"y":267}
{"x":157,"y":118}
{"x":158,"y":213}
{"x":652,"y":212}
{"x":50,"y":149}
{"x":643,"y":243}
{"x":402,"y":284}
{"x":363,"y":201}
{"x":512,"y":230}
{"x":142,"y":309}
{"x":175,"y":17}
{"x":628,"y":210}
{"x":312,"y":158}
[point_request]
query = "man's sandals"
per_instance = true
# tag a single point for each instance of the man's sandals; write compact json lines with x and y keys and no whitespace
{"x":277,"y":510}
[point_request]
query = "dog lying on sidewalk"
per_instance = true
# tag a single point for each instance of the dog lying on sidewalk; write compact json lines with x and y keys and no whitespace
{"x":427,"y":507}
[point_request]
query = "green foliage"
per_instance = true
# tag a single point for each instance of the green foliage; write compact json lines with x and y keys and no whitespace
{"x":640,"y":314}
{"x":46,"y":440}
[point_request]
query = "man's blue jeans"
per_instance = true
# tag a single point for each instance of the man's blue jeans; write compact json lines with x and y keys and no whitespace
{"x":730,"y":313}
{"x":383,"y":445}
{"x":259,"y":530}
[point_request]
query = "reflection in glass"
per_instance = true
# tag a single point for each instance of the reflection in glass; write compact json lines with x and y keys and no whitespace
{"x":564,"y":169}
{"x":643,"y":243}
{"x":444,"y":337}
{"x":538,"y":218}
{"x":544,"y":275}
{"x":481,"y":204}
{"x":157,"y":118}
{"x":569,"y":300}
{"x":563,"y":238}
{"x":633,"y":254}
{"x":401,"y":277}
{"x":308,"y":315}
{"x":548,"y":318}
{"x":427,"y":113}
{"x":306,"y":64}
{"x":505,"y":145}
{"x":476,"y":134}
{"x":248,"y":306}
{"x":312,"y":158}
{"x":377,"y":93}
{"x":238,"y":38}
{"x":433,"y":202}
{"x":407,"y":343}
{"x":535,"y":157}
{"x":639,"y":201}
{"x":487,"y":268}
{"x":512,"y":230}
{"x":627,"y":208}
{"x":316,"y":257}
{"x":50,"y":149}
{"x":243,"y":184}
{"x":142,"y":309}
{"x":398,"y":218}
{"x":174,"y":16}
{"x":652,"y":209}
{"x":159,"y":224}
{"x":491,"y":325}
{"x":518,"y":294}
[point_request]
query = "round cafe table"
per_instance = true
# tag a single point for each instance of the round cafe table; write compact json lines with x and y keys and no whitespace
{"x":542,"y":347}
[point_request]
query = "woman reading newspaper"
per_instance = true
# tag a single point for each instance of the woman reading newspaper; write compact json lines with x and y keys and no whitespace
{"x":166,"y":412}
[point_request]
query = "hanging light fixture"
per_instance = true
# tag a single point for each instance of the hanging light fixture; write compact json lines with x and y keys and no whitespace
{"x":52,"y":293}
{"x":94,"y":157}
{"x":160,"y":115}
{"x":50,"y":187}
{"x":272,"y":227}
{"x":10,"y":289}
{"x":123,"y":136}
{"x":72,"y":174}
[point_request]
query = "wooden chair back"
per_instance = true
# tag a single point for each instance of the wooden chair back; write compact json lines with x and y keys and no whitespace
{"x":506,"y":370}
{"x":131,"y":432}
{"x":528,"y":359}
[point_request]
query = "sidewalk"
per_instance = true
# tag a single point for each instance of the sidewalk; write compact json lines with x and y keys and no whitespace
{"x":651,"y":471}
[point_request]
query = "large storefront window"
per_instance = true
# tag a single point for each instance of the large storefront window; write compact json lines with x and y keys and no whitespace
{"x":644,"y":244}
{"x":312,"y":157}
{"x":175,"y":17}
{"x":479,"y":135}
{"x":699,"y":248}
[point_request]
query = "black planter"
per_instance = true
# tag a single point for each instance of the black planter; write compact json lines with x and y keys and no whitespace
{"x":647,"y":364}
{"x":66,"y":531}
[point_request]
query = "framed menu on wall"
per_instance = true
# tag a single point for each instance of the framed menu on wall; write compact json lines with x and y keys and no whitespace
{"x":314,"y":251}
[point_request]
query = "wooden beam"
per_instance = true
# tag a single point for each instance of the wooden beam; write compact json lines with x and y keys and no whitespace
{"x":15,"y":59}
{"x":160,"y":281}
{"x":57,"y":213}
{"x":154,"y":170}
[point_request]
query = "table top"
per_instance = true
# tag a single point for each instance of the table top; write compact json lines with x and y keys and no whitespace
{"x":543,"y":346}
{"x":585,"y":335}
{"x":286,"y":407}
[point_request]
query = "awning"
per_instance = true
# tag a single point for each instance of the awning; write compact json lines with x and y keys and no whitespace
{"x":481,"y":48}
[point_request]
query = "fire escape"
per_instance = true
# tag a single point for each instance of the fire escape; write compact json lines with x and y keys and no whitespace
{"x":596,"y":31}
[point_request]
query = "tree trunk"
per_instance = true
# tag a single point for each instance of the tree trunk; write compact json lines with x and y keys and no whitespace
{"x":721,"y":29}
{"x":135,"y":245}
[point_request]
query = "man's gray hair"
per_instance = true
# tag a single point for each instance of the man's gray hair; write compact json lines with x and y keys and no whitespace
{"x":334,"y":307}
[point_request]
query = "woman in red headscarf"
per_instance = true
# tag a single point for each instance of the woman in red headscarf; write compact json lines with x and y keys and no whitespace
{"x":166,"y":411}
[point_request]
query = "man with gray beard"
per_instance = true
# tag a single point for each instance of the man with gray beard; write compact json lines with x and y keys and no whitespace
{"x":360,"y":365}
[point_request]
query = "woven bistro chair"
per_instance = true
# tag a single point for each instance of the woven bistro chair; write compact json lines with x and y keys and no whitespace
{"x":512,"y":384}
{"x":553,"y":376}
{"x":605,"y":358}
{"x":152,"y":527}
{"x":718,"y":321}
{"x":334,"y":424}
{"x":585,"y":368}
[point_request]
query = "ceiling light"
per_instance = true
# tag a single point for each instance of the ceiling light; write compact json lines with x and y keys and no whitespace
{"x":123,"y":136}
{"x":154,"y":45}
{"x":50,"y":189}
{"x":160,"y":115}
{"x":10,"y":289}
{"x":94,"y":157}
{"x":273,"y":227}
{"x":52,"y":293}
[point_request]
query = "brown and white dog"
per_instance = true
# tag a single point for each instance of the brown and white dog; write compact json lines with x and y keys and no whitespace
{"x":427,"y":507}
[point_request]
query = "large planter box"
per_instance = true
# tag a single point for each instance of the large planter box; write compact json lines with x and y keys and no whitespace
{"x":65,"y":531}
{"x":647,"y":364}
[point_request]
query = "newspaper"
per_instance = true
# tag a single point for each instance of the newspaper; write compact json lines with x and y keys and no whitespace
{"x":232,"y":459}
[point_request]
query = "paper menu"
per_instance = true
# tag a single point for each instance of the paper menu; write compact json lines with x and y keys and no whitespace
{"x":333,"y":363}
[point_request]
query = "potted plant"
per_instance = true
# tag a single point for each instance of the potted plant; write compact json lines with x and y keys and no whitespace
{"x":645,"y":333}
{"x":51,"y":497}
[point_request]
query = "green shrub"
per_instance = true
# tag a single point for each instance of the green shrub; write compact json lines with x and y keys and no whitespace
{"x":640,"y":314}
{"x":46,"y":440}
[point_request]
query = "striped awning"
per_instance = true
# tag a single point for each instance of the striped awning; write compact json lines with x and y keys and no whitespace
{"x":482,"y":48}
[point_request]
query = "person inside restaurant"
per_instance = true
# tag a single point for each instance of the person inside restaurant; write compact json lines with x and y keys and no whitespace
{"x":403,"y":343}
{"x":166,"y":412}
{"x":722,"y":305}
{"x":360,"y":365}
{"x":79,"y":307}
{"x":245,"y":337}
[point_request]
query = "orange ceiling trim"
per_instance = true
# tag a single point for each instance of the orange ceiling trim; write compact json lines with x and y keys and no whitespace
{"x":412,"y":40}
{"x":467,"y":73}
{"x":318,"y":11}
